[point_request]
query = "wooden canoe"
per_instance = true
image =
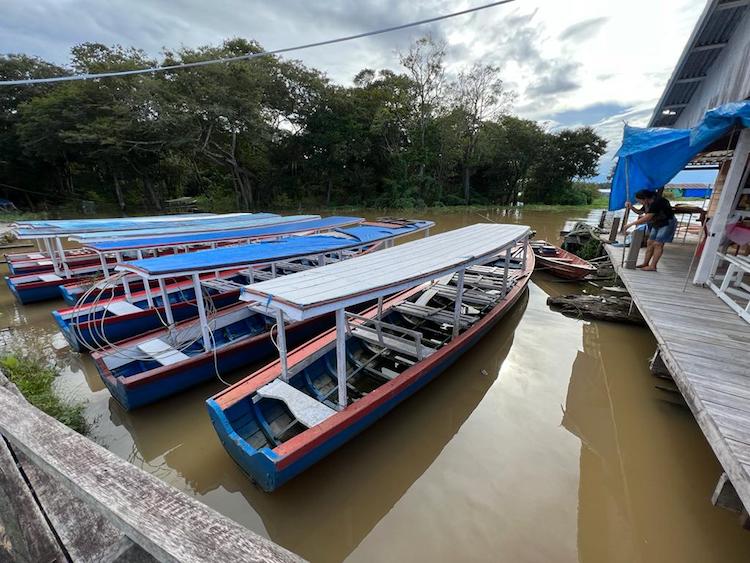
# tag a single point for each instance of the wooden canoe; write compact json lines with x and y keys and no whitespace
{"x":559,"y":262}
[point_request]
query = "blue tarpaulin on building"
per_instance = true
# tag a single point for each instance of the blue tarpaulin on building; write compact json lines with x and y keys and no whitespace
{"x":649,"y":158}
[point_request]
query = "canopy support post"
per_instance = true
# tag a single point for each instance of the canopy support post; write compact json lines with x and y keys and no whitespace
{"x":322,"y":260}
{"x":426,"y":232}
{"x":281,"y":337}
{"x":459,"y":301}
{"x":202,"y":312}
{"x":61,"y":251}
{"x":105,"y":268}
{"x":273,"y":270}
{"x":52,"y":256}
{"x":146,"y":284}
{"x":380,"y":307}
{"x":506,"y":271}
{"x":165,"y":299}
{"x":126,"y":288}
{"x":525,"y":249}
{"x":341,"y":356}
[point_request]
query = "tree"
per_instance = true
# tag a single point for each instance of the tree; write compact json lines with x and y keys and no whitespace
{"x":478,"y":96}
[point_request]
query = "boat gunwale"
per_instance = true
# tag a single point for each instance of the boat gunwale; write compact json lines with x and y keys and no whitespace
{"x":295,"y":448}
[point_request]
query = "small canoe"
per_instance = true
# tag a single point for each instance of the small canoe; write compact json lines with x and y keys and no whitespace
{"x":559,"y":262}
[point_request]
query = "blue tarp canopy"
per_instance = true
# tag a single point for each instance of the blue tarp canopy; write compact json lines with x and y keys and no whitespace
{"x":207,"y":226}
{"x":218,"y":236}
{"x":73,"y":226}
{"x":649,"y":158}
{"x":267,"y":252}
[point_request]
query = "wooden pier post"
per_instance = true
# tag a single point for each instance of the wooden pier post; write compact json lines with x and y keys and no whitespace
{"x":636,"y":240}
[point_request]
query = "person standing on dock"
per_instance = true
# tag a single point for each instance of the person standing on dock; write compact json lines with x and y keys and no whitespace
{"x":657,"y":213}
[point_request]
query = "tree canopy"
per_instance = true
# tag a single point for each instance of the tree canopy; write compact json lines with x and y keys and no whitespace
{"x":272,"y":132}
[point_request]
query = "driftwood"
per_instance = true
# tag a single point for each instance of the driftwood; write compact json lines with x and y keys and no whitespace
{"x":597,"y":307}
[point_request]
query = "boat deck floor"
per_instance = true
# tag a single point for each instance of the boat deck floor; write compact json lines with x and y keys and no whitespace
{"x":706,"y":347}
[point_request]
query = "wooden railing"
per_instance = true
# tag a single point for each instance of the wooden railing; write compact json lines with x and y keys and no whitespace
{"x":65,"y":498}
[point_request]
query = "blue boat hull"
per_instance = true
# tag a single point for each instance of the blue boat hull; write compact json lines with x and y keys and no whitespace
{"x":202,"y":368}
{"x":116,"y":329}
{"x":262,"y":465}
{"x":36,"y":294}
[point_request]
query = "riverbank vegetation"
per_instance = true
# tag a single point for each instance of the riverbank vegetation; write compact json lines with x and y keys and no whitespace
{"x":272,"y":132}
{"x":35,"y":380}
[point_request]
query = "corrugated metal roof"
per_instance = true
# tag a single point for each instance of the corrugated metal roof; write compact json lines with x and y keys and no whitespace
{"x":713,"y":32}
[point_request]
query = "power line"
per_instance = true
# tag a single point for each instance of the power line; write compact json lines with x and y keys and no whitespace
{"x":31,"y":81}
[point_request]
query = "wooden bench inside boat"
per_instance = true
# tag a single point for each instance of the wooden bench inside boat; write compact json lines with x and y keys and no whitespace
{"x":433,"y":314}
{"x":470,"y":296}
{"x":304,"y":408}
{"x":120,"y":308}
{"x":222,"y":286}
{"x":390,"y":341}
{"x":162,"y":352}
{"x":49,"y":277}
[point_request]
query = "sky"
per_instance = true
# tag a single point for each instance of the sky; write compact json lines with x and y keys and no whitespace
{"x":570,"y":63}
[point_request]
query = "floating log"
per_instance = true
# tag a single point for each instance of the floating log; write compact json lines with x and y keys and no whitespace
{"x":597,"y":307}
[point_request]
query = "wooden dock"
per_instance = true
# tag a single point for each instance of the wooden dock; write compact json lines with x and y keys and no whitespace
{"x":706,"y":349}
{"x":64,"y":498}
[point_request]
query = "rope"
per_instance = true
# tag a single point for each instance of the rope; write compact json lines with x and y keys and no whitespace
{"x":249,"y":56}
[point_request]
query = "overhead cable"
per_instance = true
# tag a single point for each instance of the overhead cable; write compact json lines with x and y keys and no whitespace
{"x":248,"y":56}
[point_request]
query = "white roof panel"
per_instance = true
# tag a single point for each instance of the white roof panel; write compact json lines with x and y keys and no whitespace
{"x":321,"y":290}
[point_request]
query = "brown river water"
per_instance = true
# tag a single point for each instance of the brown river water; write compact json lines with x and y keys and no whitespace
{"x":546,"y":442}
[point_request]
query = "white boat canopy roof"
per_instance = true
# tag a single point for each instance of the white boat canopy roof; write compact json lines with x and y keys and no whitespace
{"x":328,"y":288}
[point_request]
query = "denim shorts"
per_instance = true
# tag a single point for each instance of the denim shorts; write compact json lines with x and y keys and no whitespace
{"x":665,"y":233}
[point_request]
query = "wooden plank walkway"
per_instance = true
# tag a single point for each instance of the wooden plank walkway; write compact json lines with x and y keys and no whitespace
{"x":706,"y":347}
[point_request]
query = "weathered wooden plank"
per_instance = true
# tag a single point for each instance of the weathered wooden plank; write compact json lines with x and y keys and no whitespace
{"x":705,"y":347}
{"x":25,"y":535}
{"x":86,"y":534}
{"x":167,"y":523}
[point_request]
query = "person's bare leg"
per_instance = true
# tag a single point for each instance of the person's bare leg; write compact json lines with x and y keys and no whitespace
{"x":658,"y":250}
{"x":649,"y":254}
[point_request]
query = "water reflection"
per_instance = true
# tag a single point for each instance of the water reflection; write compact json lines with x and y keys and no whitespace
{"x":545,"y":442}
{"x":634,"y":450}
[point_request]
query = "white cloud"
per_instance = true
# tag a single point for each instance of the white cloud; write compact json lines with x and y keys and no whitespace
{"x":558,"y":56}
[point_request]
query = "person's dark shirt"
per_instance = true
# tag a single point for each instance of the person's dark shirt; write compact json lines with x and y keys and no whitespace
{"x":662,"y":212}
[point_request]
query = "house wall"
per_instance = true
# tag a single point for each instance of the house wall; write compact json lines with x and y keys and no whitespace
{"x":727,"y":81}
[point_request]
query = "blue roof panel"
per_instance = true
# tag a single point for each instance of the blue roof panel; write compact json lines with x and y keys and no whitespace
{"x":275,"y":229}
{"x":269,"y":251}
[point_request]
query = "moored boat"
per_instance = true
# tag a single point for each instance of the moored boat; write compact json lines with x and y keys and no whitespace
{"x":46,"y":285}
{"x":168,"y":360}
{"x":559,"y":262}
{"x":436,"y":298}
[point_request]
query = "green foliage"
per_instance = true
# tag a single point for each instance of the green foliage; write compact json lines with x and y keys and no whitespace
{"x":36,"y":382}
{"x":273,"y":132}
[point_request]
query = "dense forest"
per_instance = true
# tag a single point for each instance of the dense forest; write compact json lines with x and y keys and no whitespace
{"x":271,"y":132}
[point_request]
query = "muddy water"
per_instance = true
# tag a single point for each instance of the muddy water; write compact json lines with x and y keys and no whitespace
{"x":546,"y":442}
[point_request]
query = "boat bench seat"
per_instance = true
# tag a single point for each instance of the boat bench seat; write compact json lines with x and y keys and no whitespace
{"x":49,"y":277}
{"x":292,"y":266}
{"x":486,"y":270}
{"x":470,"y":296}
{"x":304,"y":408}
{"x":400,"y":345}
{"x":119,"y":308}
{"x":262,"y":275}
{"x":35,"y":256}
{"x":162,"y":352}
{"x":433,"y":314}
{"x":222,"y":286}
{"x":481,"y":281}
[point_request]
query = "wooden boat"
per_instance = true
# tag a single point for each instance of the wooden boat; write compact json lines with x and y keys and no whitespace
{"x":172,"y":358}
{"x":98,"y":319}
{"x":72,"y":291}
{"x":559,"y":262}
{"x":436,"y":298}
{"x":50,"y":234}
{"x":67,"y":281}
